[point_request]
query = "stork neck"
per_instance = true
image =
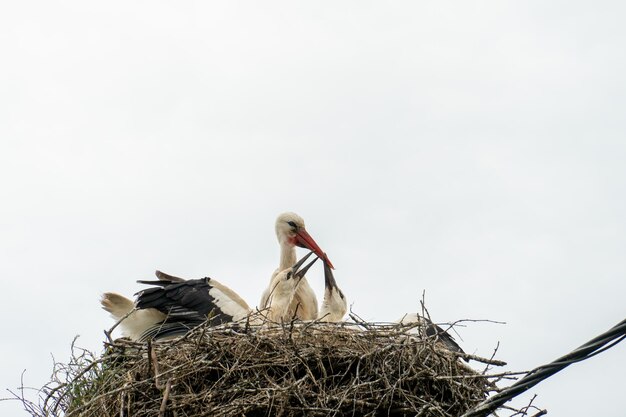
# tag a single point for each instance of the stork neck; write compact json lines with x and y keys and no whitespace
{"x":325,"y":313}
{"x":287,"y":255}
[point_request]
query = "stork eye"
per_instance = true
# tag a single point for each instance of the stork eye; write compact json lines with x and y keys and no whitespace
{"x":292,"y":224}
{"x":289,"y":275}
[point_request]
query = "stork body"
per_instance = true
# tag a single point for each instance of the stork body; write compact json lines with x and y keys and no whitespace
{"x":426,"y":328}
{"x":173,"y":306}
{"x":291,"y":232}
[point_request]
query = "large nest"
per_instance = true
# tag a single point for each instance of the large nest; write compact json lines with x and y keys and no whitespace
{"x":312,"y":369}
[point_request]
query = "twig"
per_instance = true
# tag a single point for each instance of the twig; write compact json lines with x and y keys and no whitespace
{"x":492,"y":356}
{"x":166,"y":394}
{"x":155,"y":365}
{"x":117,"y":323}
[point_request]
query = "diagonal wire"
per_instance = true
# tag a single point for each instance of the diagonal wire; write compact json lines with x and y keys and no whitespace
{"x":596,"y":345}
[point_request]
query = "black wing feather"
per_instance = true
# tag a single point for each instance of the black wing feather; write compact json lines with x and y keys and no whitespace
{"x":187,"y":304}
{"x":432,"y":330}
{"x":167,"y":277}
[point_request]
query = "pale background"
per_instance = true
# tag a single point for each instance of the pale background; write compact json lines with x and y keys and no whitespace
{"x":474,"y":150}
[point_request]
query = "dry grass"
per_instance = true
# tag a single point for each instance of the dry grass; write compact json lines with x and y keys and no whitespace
{"x":297,"y":369}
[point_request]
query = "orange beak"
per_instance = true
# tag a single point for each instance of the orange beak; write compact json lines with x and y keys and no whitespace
{"x":304,"y":240}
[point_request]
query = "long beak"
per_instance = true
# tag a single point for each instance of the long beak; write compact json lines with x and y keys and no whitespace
{"x":304,"y":240}
{"x":329,"y":279}
{"x":301,"y":272}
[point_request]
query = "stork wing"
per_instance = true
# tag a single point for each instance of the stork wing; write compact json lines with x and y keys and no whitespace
{"x":432,"y":330}
{"x":167,"y":330}
{"x":187,"y":304}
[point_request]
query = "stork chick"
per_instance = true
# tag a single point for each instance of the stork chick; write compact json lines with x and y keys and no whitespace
{"x":284,"y":286}
{"x":426,"y":328}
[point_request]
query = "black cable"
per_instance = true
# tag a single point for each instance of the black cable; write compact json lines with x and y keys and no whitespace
{"x":596,"y":345}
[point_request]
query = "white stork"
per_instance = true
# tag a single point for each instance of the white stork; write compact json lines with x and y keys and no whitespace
{"x":174,"y":306}
{"x":291,"y":232}
{"x":283,"y":288}
{"x":334,"y":306}
{"x":426,"y":328}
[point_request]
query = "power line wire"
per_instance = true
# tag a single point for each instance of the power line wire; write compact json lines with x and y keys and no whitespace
{"x":596,"y":345}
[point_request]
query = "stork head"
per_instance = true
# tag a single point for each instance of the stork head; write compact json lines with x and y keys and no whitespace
{"x":335,"y":305}
{"x":284,"y":286}
{"x":290,"y":229}
{"x":294,"y":274}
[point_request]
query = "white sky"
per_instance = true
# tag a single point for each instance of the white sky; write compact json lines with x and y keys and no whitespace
{"x":475,"y":150}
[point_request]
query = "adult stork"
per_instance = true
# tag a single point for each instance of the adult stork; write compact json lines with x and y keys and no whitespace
{"x":291,"y":232}
{"x":334,"y":306}
{"x":173,"y":306}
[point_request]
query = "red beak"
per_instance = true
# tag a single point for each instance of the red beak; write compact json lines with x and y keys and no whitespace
{"x":304,"y":240}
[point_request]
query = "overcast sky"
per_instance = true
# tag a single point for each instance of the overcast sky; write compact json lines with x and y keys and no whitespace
{"x":472,"y":150}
